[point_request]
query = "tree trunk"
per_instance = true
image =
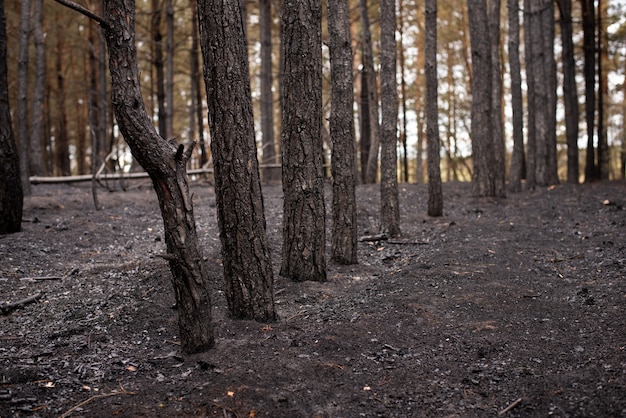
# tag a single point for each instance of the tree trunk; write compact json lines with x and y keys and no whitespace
{"x":589,"y":46}
{"x":548,"y":30}
{"x":240,"y":213}
{"x":170,"y":51}
{"x":157,"y":62}
{"x":390,"y":206}
{"x":22,"y":96}
{"x":517,"y":157}
{"x":62,"y":141}
{"x":11,"y":197}
{"x":531,"y":77}
{"x":303,"y":177}
{"x":371,"y":173}
{"x":482,"y":103}
{"x":196,"y":75}
{"x":344,"y":230}
{"x":604,"y":156}
{"x":435,"y":197}
{"x":36,"y":154}
{"x":570,"y":95}
{"x":499,"y":170}
{"x":401,"y":62}
{"x":365,"y":125}
{"x":166,"y":166}
{"x":270,"y":175}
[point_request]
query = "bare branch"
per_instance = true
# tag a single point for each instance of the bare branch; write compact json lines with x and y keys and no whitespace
{"x":84,"y":11}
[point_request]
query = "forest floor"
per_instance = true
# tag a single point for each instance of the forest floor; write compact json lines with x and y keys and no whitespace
{"x":510,"y":307}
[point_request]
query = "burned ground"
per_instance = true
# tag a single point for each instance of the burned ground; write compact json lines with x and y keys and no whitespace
{"x":511,"y":307}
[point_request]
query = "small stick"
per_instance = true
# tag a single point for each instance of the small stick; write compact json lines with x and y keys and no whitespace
{"x":511,"y":406}
{"x":104,"y":395}
{"x":8,"y":307}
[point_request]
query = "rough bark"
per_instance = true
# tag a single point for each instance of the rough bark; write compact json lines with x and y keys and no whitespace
{"x":604,"y":152}
{"x":22,"y":96}
{"x":170,"y":51}
{"x":517,"y":157}
{"x":270,"y":175}
{"x":531,"y":77}
{"x":167,"y":168}
{"x":364,"y":125}
{"x":435,"y":196}
{"x":11,"y":197}
{"x":549,"y":62}
{"x":570,"y":94}
{"x":62,"y":140}
{"x":196,"y":76}
{"x":499,"y":170}
{"x":389,"y":202}
{"x":157,"y":62}
{"x":240,"y":211}
{"x":344,"y":230}
{"x":371,"y":173}
{"x":37,"y":151}
{"x":589,"y":25}
{"x":303,"y":252}
{"x":482,"y":104}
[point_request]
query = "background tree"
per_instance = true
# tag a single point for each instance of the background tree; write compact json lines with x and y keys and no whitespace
{"x":482,"y":103}
{"x":435,"y":197}
{"x":22,"y":96}
{"x":499,"y":170}
{"x":11,"y":197}
{"x":303,"y":177}
{"x":369,"y":77}
{"x":549,"y":62}
{"x":589,"y":46}
{"x":245,"y":250}
{"x":36,"y":146}
{"x":570,"y":94}
{"x":344,"y":230}
{"x":390,"y":207}
{"x":268,"y":151}
{"x":516,"y":170}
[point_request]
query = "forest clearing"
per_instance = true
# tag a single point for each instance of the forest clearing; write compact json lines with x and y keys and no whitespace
{"x":509,"y":307}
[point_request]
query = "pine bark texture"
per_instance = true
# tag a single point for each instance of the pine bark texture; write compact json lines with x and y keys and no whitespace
{"x":549,"y":62}
{"x":270,"y":175}
{"x":589,"y":26}
{"x":36,"y":152}
{"x":516,"y":169}
{"x":499,"y":151}
{"x":371,"y":173}
{"x":166,"y":166}
{"x":482,"y":104}
{"x":11,"y":197}
{"x":344,"y":229}
{"x":389,"y":202}
{"x":435,"y":196}
{"x":240,"y":211}
{"x":22,"y":96}
{"x":570,"y":94}
{"x":303,"y":252}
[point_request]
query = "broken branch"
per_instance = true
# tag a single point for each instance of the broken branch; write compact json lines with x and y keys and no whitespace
{"x":8,"y":307}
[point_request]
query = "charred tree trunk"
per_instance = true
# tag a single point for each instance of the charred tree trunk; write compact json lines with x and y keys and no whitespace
{"x":270,"y":175}
{"x":245,"y":250}
{"x":517,"y":158}
{"x":304,"y":236}
{"x":11,"y":198}
{"x":36,"y":154}
{"x":589,"y":46}
{"x":435,"y":197}
{"x":166,"y":166}
{"x":344,"y":231}
{"x":22,"y":96}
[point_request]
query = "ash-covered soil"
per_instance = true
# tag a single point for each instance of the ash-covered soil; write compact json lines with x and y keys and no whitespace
{"x":502,"y":307}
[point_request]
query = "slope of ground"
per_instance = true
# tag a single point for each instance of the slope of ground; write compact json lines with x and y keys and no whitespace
{"x":512,"y":307}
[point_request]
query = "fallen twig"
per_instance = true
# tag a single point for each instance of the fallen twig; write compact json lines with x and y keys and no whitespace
{"x":41,"y":278}
{"x":104,"y":395}
{"x":373,"y":238}
{"x":6,"y":308}
{"x":511,"y":406}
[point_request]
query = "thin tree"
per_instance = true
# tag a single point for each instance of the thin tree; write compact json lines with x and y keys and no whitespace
{"x":270,"y":174}
{"x":549,"y":62}
{"x":389,"y":202}
{"x":196,"y":78}
{"x":435,"y":196}
{"x":570,"y":94}
{"x":170,"y":51}
{"x":166,"y":166}
{"x":36,"y":149}
{"x":22,"y":96}
{"x":245,"y":249}
{"x":516,"y":169}
{"x":11,"y":197}
{"x":303,"y":252}
{"x":403,"y":93}
{"x":482,"y":103}
{"x":344,"y":230}
{"x":589,"y":46}
{"x":604,"y":156}
{"x":62,"y":140}
{"x":157,"y":62}
{"x":369,"y":77}
{"x":499,"y":171}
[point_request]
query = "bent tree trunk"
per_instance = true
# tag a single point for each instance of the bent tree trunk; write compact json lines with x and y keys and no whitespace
{"x":166,"y":167}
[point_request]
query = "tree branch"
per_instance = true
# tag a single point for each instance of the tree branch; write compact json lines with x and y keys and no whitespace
{"x":84,"y":11}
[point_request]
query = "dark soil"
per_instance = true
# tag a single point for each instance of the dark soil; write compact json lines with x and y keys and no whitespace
{"x":511,"y":307}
